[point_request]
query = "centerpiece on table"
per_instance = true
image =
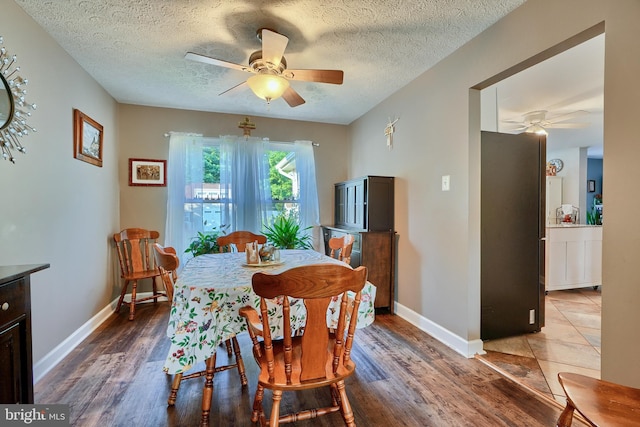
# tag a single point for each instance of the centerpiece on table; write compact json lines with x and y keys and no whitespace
{"x":265,"y":254}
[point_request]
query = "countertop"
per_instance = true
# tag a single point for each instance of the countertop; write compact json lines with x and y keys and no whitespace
{"x":572,"y":225}
{"x":12,"y":272}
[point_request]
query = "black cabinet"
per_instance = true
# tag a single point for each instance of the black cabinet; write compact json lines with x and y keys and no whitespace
{"x":364,"y":208}
{"x":16,"y":368}
{"x":365,"y":203}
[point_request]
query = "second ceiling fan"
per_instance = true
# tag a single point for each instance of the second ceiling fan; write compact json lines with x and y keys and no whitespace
{"x":271,"y":77}
{"x":537,"y":121}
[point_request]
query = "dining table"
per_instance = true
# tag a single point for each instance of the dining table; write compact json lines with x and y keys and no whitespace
{"x":212,"y":288}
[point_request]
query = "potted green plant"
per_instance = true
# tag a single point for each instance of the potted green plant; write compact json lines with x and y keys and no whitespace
{"x":285,"y":232}
{"x":205,"y":243}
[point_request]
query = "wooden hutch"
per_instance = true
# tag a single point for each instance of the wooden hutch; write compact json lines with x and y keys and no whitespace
{"x":364,"y":208}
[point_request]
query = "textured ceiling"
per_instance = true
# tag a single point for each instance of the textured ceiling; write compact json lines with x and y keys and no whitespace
{"x":135,"y":48}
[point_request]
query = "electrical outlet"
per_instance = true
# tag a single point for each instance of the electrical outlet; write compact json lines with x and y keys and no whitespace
{"x":446,"y":182}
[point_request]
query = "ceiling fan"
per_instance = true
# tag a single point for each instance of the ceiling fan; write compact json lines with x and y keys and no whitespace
{"x":271,"y":77}
{"x":537,"y":122}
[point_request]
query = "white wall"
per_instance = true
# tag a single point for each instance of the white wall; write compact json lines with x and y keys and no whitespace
{"x":439,"y":134}
{"x":56,"y":209}
{"x":574,"y":177}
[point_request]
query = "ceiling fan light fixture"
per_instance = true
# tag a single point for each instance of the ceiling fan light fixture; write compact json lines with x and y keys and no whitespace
{"x":268,"y":86}
{"x":537,"y":129}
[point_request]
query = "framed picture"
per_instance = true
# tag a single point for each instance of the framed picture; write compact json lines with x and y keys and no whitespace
{"x":148,"y":173}
{"x":591,"y":186}
{"x":87,"y":139}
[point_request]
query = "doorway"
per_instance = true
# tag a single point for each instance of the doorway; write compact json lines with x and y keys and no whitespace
{"x":537,"y":85}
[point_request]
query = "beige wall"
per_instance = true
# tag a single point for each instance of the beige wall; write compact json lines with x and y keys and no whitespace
{"x":142,"y":132}
{"x":438,"y":134}
{"x":56,"y":209}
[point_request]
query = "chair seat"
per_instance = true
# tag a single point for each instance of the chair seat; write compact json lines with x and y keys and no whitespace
{"x":138,"y":275}
{"x":600,"y":402}
{"x":280,"y":381}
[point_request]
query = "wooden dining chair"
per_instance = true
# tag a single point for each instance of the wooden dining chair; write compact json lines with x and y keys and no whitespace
{"x":341,"y":247}
{"x":601,"y":403}
{"x":136,"y":263}
{"x":168,"y":263}
{"x":316,"y":356}
{"x":240,"y":240}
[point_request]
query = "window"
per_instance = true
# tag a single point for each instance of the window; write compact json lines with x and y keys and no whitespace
{"x":239,"y":183}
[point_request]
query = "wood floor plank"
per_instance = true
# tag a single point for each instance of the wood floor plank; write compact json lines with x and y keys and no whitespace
{"x":403,"y":377}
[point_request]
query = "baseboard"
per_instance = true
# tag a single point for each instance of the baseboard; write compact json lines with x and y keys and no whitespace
{"x":466,"y":348}
{"x":55,"y":356}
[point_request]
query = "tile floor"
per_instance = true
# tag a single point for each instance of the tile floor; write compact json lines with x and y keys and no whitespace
{"x":569,"y":341}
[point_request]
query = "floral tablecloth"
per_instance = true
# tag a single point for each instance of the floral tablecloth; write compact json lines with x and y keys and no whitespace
{"x":212,"y":288}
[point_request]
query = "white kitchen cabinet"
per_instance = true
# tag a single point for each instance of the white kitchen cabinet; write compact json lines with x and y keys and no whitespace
{"x":573,"y":257}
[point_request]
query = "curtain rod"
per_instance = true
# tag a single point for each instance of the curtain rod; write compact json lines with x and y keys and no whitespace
{"x":315,"y":144}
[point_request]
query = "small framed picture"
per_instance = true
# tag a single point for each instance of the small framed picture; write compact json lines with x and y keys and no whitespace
{"x":591,"y":186}
{"x":148,"y":173}
{"x":87,"y":139}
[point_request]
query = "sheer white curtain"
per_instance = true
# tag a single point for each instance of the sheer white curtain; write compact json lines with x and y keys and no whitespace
{"x":244,"y":185}
{"x":244,"y":174}
{"x":183,"y":169}
{"x":309,"y":212}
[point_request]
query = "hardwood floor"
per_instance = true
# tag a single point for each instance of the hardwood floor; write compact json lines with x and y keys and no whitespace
{"x":403,"y":377}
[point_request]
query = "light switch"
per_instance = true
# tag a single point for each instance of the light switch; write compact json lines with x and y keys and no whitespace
{"x":445,"y":182}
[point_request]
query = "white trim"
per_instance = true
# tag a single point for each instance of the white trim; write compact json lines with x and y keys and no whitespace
{"x":466,"y":348}
{"x":55,"y":356}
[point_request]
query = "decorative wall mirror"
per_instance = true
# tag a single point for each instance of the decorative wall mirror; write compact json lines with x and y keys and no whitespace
{"x":14,"y":110}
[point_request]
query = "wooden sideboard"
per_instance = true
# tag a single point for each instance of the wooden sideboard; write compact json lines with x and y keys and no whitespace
{"x":376,"y":251}
{"x":364,"y":208}
{"x":16,"y":363}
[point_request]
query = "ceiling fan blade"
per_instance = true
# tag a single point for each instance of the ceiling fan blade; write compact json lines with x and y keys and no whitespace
{"x":236,"y":88}
{"x":566,"y":116}
{"x":292,"y":97}
{"x":213,"y":61}
{"x":567,"y":125}
{"x":320,"y":76}
{"x":514,"y":128}
{"x":273,"y":46}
